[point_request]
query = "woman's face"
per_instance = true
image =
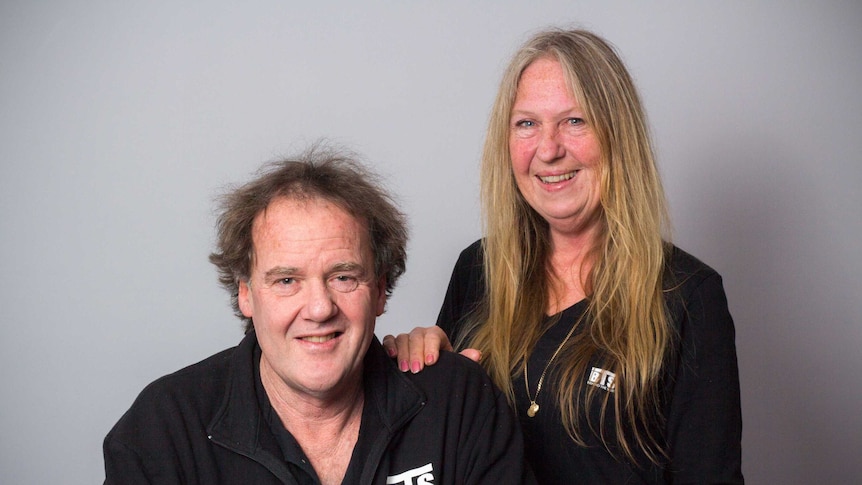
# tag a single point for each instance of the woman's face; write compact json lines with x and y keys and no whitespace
{"x":555,"y":153}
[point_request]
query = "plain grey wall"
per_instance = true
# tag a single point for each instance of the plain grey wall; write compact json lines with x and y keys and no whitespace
{"x":121,"y":121}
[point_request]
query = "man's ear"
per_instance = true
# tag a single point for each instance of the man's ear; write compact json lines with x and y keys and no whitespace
{"x":245,"y":299}
{"x":381,"y":295}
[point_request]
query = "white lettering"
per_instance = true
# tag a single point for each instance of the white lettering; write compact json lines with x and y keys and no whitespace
{"x":422,"y":475}
{"x":595,"y":373}
{"x":602,"y":379}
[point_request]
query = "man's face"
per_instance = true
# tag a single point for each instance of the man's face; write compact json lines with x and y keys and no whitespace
{"x":312,"y":295}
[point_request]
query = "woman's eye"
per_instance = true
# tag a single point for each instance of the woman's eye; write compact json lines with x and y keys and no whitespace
{"x":575,"y":121}
{"x":525,"y":124}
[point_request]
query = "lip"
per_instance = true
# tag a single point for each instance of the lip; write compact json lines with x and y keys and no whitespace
{"x":320,"y":339}
{"x":556,"y":178}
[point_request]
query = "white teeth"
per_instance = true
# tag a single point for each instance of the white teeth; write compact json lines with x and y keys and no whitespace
{"x":552,"y":179}
{"x":320,"y":339}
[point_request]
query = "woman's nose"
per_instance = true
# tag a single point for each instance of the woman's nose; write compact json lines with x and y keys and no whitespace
{"x":549,"y":148}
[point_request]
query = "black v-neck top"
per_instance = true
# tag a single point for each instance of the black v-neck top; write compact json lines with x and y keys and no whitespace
{"x":702,"y":419}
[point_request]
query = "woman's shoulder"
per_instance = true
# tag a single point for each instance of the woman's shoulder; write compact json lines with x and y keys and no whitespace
{"x":470,"y":264}
{"x":689,"y":281}
{"x":683,"y":267}
{"x":465,"y":292}
{"x":687,"y":276}
{"x":473,"y":254}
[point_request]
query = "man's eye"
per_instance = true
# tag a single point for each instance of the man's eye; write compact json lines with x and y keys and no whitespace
{"x":344,"y":283}
{"x":286,"y":286}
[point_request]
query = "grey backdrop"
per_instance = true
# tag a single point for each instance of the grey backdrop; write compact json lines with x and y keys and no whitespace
{"x":121,"y":121}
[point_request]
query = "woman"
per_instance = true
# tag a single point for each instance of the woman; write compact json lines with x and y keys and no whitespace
{"x":616,"y":349}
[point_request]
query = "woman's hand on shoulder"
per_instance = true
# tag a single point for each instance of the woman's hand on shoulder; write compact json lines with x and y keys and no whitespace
{"x":421,"y":347}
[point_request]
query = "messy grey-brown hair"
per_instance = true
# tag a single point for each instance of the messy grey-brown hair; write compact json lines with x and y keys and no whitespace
{"x":323,"y":172}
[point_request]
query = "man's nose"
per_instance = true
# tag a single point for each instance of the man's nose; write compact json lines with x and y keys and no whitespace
{"x":320,"y":305}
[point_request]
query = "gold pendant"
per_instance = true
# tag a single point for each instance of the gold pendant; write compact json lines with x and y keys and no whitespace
{"x":533,"y":409}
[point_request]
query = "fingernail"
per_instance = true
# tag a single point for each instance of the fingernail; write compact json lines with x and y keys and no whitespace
{"x":415,"y":367}
{"x":403,"y":366}
{"x":391,"y":352}
{"x":429,"y":359}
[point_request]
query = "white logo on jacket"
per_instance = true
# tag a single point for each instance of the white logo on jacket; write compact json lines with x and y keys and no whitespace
{"x":422,"y":475}
{"x":603,"y":379}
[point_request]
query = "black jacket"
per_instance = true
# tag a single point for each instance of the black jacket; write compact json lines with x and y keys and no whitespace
{"x":204,"y":425}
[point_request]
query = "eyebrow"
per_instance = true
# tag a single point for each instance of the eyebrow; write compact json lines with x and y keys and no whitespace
{"x":345,"y":266}
{"x":279,"y":271}
{"x":573,"y":110}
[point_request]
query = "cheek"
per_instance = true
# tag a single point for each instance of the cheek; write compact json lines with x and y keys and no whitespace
{"x":595,"y":187}
{"x":594,"y":157}
{"x":519,"y":152}
{"x":588,"y":151}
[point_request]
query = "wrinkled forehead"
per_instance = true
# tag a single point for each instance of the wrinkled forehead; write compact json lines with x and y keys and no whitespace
{"x":290,"y":224}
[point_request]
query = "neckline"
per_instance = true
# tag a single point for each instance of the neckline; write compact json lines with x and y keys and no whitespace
{"x":577,"y":304}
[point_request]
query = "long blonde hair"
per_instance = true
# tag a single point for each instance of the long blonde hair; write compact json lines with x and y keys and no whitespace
{"x":626,"y":316}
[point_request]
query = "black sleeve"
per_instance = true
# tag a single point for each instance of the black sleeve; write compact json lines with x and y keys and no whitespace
{"x":123,"y":465}
{"x":465,"y":292}
{"x":498,"y":453}
{"x":487,"y":445}
{"x":147,"y":445}
{"x":704,"y":425}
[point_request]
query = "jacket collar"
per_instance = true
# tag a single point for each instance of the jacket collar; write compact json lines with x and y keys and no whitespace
{"x":239,"y":424}
{"x":388,"y":389}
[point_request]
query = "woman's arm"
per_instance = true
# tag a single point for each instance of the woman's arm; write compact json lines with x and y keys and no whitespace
{"x":704,"y":421}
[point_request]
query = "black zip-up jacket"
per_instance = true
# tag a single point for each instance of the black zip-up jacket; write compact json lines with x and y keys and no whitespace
{"x":204,"y":425}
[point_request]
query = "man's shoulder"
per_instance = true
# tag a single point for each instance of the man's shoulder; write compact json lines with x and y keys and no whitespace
{"x":453,"y":371}
{"x":454,"y":360}
{"x":195,"y":390}
{"x":194,"y":378}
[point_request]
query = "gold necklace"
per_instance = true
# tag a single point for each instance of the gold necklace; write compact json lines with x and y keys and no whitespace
{"x":534,"y":408}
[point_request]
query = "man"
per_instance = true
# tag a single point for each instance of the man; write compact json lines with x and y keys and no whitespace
{"x":310,"y":251}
